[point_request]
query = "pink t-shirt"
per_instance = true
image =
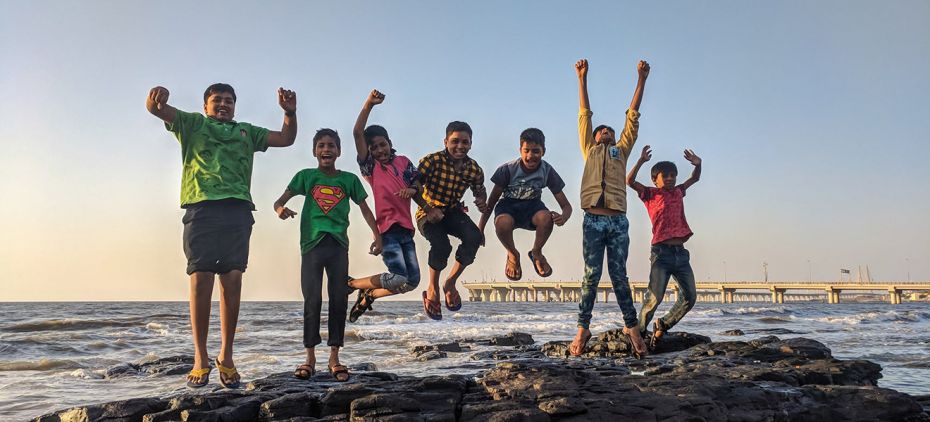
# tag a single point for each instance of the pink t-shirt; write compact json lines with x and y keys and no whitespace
{"x":386,"y":180}
{"x":666,"y":209}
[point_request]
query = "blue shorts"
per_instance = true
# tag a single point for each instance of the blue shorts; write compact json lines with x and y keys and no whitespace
{"x":521,"y":210}
{"x":400,"y":256}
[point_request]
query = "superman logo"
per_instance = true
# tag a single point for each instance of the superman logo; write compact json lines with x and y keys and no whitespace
{"x":327,"y":197}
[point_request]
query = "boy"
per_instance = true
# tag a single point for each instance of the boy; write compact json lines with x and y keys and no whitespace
{"x":394,"y":180}
{"x":603,"y":198}
{"x":217,"y":157}
{"x":670,"y":231}
{"x":324,"y":245}
{"x":445,"y":175}
{"x":521,"y":182}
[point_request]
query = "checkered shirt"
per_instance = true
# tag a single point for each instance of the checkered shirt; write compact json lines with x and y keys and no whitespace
{"x":443,"y":186}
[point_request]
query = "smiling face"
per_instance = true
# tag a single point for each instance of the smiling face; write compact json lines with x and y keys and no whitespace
{"x":458,"y":144}
{"x":380,"y":149}
{"x":220,"y":106}
{"x":326,"y":151}
{"x":531,"y":155}
{"x":665,"y":179}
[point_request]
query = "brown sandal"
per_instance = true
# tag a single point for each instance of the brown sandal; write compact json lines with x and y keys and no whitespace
{"x":304,"y":371}
{"x":338,"y":370}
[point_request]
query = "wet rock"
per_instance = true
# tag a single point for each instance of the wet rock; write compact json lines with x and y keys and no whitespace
{"x":512,"y":339}
{"x":431,"y":355}
{"x":444,"y":347}
{"x":174,"y":365}
{"x":733,"y":333}
{"x":132,"y":409}
{"x":614,"y":344}
{"x":290,"y":406}
{"x":364,"y":366}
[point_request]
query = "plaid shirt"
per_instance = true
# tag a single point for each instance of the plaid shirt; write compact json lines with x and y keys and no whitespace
{"x":443,"y":186}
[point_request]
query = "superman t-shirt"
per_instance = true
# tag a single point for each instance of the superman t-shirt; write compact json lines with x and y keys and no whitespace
{"x":326,"y":208}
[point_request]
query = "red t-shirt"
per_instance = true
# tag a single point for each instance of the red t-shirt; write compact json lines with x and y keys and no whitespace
{"x":666,"y":209}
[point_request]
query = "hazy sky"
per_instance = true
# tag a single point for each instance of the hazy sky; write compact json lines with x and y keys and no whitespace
{"x":813,"y":120}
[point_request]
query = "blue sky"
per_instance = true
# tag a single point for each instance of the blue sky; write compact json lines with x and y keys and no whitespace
{"x":811,"y":118}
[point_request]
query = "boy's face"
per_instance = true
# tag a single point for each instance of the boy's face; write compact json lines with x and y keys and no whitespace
{"x":326,"y":151}
{"x":531,"y":155}
{"x":458,"y":144}
{"x":220,"y":106}
{"x":665,"y":180}
{"x":606,"y":134}
{"x":380,"y":149}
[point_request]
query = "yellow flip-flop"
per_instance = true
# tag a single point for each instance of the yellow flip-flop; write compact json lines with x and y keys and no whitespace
{"x":229,"y":372}
{"x":203,"y":373}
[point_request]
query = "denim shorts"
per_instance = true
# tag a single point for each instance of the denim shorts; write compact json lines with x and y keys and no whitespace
{"x":400,"y":256}
{"x":521,"y":210}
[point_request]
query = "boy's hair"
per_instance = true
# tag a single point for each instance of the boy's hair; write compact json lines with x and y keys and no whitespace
{"x":376,"y":130}
{"x":458,"y":126}
{"x":664,"y":167}
{"x":599,"y":127}
{"x":533,"y":136}
{"x":326,"y":132}
{"x":217,"y":89}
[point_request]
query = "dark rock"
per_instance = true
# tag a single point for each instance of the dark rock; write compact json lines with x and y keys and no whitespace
{"x":512,"y":339}
{"x":733,"y":333}
{"x":613,"y":344}
{"x":364,"y":366}
{"x":444,"y":347}
{"x":132,"y":409}
{"x":291,"y":405}
{"x":338,"y":400}
{"x":433,"y":354}
{"x":802,"y":347}
{"x":173,"y":365}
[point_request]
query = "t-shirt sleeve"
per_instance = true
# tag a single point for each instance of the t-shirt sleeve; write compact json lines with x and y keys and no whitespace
{"x":367,"y":165}
{"x":259,"y":137}
{"x":682,"y":189}
{"x":501,"y":176}
{"x":411,"y":175}
{"x":554,"y":182}
{"x":183,"y":124}
{"x":646,"y":194}
{"x":356,"y":190}
{"x":299,"y":183}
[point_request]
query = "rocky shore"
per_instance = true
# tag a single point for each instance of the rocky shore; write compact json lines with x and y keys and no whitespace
{"x":688,"y":378}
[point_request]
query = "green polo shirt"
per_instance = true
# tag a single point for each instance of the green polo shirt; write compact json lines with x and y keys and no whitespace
{"x":326,"y":207}
{"x":217,"y":157}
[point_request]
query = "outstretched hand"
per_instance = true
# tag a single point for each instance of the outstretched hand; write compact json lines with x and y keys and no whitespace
{"x":646,"y":155}
{"x":406,"y":193}
{"x":375,"y":97}
{"x":284,"y":213}
{"x":158,"y":96}
{"x":643,"y":69}
{"x":581,"y":68}
{"x":692,"y":157}
{"x":287,"y":99}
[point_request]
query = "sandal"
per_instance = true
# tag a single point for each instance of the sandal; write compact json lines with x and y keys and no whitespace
{"x":453,"y":300}
{"x":542,"y":261}
{"x":358,"y":309}
{"x":203,"y":373}
{"x":230,"y":373}
{"x":514,"y":266}
{"x":432,"y":309}
{"x":637,"y":353}
{"x":584,"y":343}
{"x":304,"y":371}
{"x":338,"y":370}
{"x":658,"y":330}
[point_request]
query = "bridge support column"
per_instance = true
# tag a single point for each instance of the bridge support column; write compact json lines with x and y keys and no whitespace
{"x":894,"y":296}
{"x":723,"y":295}
{"x":606,"y":295}
{"x":833,"y":295}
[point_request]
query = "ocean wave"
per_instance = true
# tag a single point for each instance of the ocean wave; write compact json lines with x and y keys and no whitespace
{"x":39,"y":365}
{"x":83,"y":373}
{"x":70,"y":324}
{"x":894,"y":316}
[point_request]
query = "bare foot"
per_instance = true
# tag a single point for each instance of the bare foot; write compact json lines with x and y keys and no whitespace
{"x":639,"y":346}
{"x":580,"y":341}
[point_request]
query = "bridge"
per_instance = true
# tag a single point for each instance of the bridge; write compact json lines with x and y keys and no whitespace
{"x":708,"y":291}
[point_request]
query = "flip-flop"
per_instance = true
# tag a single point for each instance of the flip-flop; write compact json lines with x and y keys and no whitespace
{"x":536,"y":263}
{"x":518,"y":269}
{"x":453,"y":300}
{"x":203,"y":373}
{"x":338,"y":370}
{"x":584,"y":343}
{"x":658,"y":331}
{"x":357,"y":309}
{"x":229,"y":372}
{"x":636,"y":353}
{"x":431,"y":309}
{"x":304,"y":371}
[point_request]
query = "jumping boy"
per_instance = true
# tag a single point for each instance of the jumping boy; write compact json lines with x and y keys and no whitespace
{"x":670,"y":231}
{"x":217,"y":153}
{"x":394,"y":180}
{"x":603,"y":198}
{"x":521,"y":182}
{"x":445,"y":175}
{"x":324,"y":246}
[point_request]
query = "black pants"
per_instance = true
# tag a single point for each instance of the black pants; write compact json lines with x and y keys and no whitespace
{"x":455,"y":223}
{"x":332,"y":256}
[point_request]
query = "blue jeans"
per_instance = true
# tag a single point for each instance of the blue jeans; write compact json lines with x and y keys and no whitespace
{"x":668,"y":261}
{"x":400,"y":256}
{"x":600,"y":232}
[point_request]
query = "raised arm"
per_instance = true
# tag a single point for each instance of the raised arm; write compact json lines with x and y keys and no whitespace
{"x":157,"y":104}
{"x":361,"y":147}
{"x":585,"y":130}
{"x":581,"y":69}
{"x":376,"y":245}
{"x":284,"y":212}
{"x":287,"y":99}
{"x":631,"y":178}
{"x":642,"y":68}
{"x":696,"y":173}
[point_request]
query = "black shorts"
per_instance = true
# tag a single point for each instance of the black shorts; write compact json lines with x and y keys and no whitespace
{"x":521,"y":210}
{"x":216,"y":235}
